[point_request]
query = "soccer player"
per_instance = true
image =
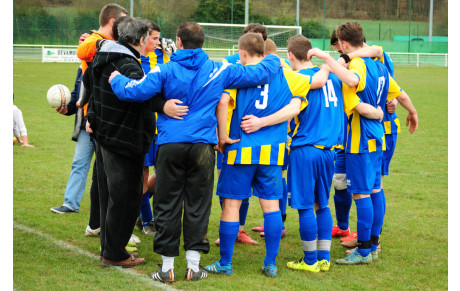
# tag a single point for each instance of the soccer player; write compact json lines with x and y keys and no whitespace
{"x":369,"y":82}
{"x":318,"y":131}
{"x":242,"y":237}
{"x":186,"y":159}
{"x":256,"y":160}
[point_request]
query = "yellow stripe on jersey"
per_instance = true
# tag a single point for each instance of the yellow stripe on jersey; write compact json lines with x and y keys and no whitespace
{"x":356,"y":136}
{"x":398,"y":124}
{"x":299,"y":84}
{"x":372,"y":144}
{"x":281,"y":147}
{"x":350,"y":99}
{"x":231,"y":157}
{"x":265,"y":151}
{"x":387,"y":125}
{"x":384,"y":145}
{"x":246,"y":156}
{"x":156,"y":118}
{"x":393,"y":90}
{"x":382,"y":58}
{"x":358,"y":67}
{"x":231,"y":106}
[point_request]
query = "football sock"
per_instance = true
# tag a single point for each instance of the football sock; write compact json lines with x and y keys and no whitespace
{"x":273,"y":225}
{"x":308,"y":231}
{"x":146,"y":210}
{"x":193,"y":260}
{"x":342,"y":201}
{"x":378,"y":208}
{"x":168,"y":263}
{"x":228,"y":231}
{"x":365,"y":214}
{"x":244,"y":211}
{"x":384,"y":202}
{"x":324,"y":222}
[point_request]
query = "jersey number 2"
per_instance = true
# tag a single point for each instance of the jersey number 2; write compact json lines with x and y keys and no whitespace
{"x":263,"y":93}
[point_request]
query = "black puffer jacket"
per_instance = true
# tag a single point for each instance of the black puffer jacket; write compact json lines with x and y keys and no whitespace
{"x":123,"y":127}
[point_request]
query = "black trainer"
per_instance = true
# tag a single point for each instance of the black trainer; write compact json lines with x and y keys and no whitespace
{"x":165,"y":277}
{"x":62,"y":210}
{"x":190,"y":275}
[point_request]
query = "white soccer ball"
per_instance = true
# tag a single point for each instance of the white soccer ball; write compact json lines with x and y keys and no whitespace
{"x":58,"y":96}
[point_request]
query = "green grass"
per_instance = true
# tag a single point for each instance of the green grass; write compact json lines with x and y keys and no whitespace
{"x":414,"y":241}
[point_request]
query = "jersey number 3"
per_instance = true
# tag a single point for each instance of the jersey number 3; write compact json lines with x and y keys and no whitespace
{"x":264,"y":94}
{"x":329,"y":93}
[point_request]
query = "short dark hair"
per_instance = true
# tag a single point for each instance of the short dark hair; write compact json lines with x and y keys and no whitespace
{"x":252,"y":43}
{"x":351,"y":32}
{"x":110,"y":11}
{"x":299,"y":45}
{"x":270,"y":47}
{"x":257,"y":28}
{"x":191,"y":34}
{"x":115,"y":26}
{"x":132,"y":30}
{"x":152,"y":25}
{"x":334,"y":39}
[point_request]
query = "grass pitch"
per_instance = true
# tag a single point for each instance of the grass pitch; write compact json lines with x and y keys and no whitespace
{"x":51,"y":251}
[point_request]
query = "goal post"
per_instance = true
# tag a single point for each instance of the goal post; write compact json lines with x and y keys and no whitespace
{"x":221,"y":35}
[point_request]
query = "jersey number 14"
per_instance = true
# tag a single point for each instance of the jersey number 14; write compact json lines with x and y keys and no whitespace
{"x":329,"y":93}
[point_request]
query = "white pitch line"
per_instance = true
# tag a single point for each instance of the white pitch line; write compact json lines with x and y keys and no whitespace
{"x":65,"y":245}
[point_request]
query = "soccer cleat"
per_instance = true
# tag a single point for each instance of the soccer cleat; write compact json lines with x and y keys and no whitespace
{"x":131,"y":249}
{"x":375,"y":256}
{"x":217,"y":242}
{"x":134,"y":240}
{"x":301,"y":265}
{"x":350,"y":237}
{"x":216,"y":268}
{"x":165,"y":277}
{"x":92,"y":232}
{"x":324,"y":265}
{"x":270,"y":270}
{"x":62,"y":210}
{"x":149,"y":229}
{"x":190,"y":275}
{"x":355,"y":259}
{"x":139,"y":223}
{"x":336,"y":231}
{"x":258,"y":228}
{"x":244,"y":238}
{"x":283,"y":233}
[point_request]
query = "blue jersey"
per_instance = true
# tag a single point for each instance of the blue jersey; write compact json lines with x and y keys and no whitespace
{"x":321,"y":121}
{"x":365,"y":135}
{"x":157,"y":57}
{"x":233,"y":59}
{"x":198,"y":82}
{"x":267,"y":145}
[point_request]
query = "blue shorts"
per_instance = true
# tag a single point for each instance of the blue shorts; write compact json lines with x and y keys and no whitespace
{"x":363,"y":172}
{"x":219,"y":159}
{"x":390,"y":142}
{"x":340,"y":163}
{"x":310,"y":177}
{"x":150,"y":157}
{"x":235,"y":182}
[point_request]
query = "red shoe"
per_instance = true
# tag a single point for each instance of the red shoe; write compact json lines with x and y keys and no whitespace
{"x":283,"y":233}
{"x":259,"y":228}
{"x":350,"y":237}
{"x":336,"y":231}
{"x":244,"y":238}
{"x":217,"y":242}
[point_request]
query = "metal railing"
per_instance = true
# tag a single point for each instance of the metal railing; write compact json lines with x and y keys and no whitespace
{"x":34,"y":53}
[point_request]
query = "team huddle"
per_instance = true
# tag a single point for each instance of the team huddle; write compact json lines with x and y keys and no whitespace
{"x":175,"y":109}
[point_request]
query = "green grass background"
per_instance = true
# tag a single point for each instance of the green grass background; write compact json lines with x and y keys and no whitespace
{"x":414,"y":239}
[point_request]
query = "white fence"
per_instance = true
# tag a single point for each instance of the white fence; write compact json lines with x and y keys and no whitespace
{"x":60,"y":53}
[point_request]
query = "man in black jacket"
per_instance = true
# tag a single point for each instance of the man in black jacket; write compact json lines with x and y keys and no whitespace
{"x":123,"y":133}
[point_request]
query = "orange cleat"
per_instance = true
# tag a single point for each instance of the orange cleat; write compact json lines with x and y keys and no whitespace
{"x":244,"y":238}
{"x":350,"y":237}
{"x":336,"y":231}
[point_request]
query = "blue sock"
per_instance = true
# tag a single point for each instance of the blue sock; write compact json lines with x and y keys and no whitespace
{"x":146,"y":209}
{"x":365,"y":213}
{"x":324,"y":222}
{"x":273,"y":225}
{"x":228,"y":231}
{"x":283,"y":201}
{"x":384,"y":202}
{"x":244,"y":211}
{"x":308,"y":231}
{"x":342,"y":201}
{"x":377,"y":205}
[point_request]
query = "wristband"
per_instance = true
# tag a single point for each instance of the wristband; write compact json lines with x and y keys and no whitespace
{"x":345,"y":57}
